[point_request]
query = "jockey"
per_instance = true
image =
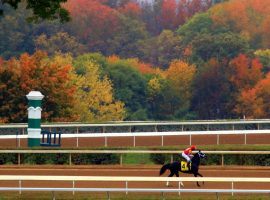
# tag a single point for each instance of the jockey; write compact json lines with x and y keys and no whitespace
{"x":187,"y":154}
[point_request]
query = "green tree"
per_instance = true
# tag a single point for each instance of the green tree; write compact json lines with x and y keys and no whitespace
{"x":161,"y":50}
{"x":204,"y":39}
{"x":42,"y":9}
{"x":197,"y":25}
{"x":17,"y":35}
{"x":264,"y":57}
{"x":158,"y":91}
{"x":125,"y":42}
{"x":220,"y":46}
{"x":130,"y":88}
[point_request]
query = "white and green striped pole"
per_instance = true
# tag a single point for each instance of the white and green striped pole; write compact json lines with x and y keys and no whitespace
{"x":34,"y":118}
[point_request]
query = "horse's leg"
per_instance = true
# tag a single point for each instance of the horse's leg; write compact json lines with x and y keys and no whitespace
{"x":170,"y":175}
{"x":195,"y":174}
{"x":200,"y":176}
{"x":181,"y":183}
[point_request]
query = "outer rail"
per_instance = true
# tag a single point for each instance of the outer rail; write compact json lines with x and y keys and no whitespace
{"x":132,"y":179}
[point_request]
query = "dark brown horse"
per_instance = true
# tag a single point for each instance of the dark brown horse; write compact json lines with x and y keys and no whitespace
{"x":175,"y":167}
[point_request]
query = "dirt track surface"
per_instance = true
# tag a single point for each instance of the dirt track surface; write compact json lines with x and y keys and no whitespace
{"x":132,"y":171}
{"x":207,"y":139}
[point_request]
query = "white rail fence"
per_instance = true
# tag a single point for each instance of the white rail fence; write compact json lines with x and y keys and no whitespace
{"x":139,"y":129}
{"x":214,"y":125}
{"x":121,"y":152}
{"x":140,"y":134}
{"x":74,"y":179}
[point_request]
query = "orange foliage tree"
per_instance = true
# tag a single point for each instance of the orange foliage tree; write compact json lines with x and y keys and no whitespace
{"x":52,"y":77}
{"x":244,"y":72}
{"x":248,"y":17}
{"x":93,"y":23}
{"x":254,"y":102}
{"x":142,"y":67}
{"x":168,"y":14}
{"x":175,"y":13}
{"x":131,"y":9}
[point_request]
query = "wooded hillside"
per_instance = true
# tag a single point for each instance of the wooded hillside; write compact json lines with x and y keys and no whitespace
{"x":137,"y":60}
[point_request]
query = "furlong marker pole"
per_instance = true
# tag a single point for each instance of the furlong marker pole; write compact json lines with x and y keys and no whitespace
{"x":34,"y":117}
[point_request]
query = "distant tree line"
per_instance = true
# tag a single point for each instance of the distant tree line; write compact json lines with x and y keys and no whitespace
{"x":121,"y":60}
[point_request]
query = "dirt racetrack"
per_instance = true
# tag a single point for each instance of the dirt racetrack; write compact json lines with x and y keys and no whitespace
{"x":115,"y":170}
{"x":207,"y":139}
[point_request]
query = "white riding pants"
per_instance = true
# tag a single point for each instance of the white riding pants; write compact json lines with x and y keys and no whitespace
{"x":186,"y":157}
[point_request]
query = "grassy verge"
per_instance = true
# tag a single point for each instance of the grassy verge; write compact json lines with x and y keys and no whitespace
{"x":122,"y":196}
{"x":137,"y":159}
{"x":146,"y":159}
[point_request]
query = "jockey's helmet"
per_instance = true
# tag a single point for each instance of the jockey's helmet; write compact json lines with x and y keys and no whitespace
{"x":193,"y":147}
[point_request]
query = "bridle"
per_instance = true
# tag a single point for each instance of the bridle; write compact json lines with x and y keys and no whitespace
{"x":201,"y":155}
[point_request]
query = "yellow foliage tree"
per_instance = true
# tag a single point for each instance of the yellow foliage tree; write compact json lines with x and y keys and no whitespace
{"x":181,"y":75}
{"x":95,"y":100}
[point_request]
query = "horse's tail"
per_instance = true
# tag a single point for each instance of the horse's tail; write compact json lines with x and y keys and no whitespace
{"x":164,"y":168}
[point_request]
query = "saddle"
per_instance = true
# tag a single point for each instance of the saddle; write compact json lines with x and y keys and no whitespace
{"x":184,"y":166}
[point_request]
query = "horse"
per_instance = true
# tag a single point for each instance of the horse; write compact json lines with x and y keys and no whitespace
{"x":175,"y":167}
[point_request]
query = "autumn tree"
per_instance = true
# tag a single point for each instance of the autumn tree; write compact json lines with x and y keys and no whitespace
{"x":52,"y":77}
{"x":175,"y":13}
{"x":264,"y":57}
{"x":161,"y":50}
{"x":94,"y":100}
{"x":17,"y":35}
{"x":197,"y":25}
{"x":128,"y":77}
{"x":244,"y":73}
{"x":93,"y":24}
{"x":12,"y":106}
{"x":250,"y":18}
{"x":203,"y":40}
{"x":129,"y":87}
{"x":126,"y":40}
{"x":151,"y":16}
{"x":131,"y":9}
{"x":180,"y":76}
{"x":220,"y":46}
{"x":169,"y":14}
{"x":159,"y":97}
{"x":254,"y":103}
{"x":211,"y":92}
{"x":193,"y":7}
{"x":60,"y":42}
{"x":135,"y":63}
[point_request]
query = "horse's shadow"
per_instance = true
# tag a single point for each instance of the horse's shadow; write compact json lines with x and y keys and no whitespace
{"x":175,"y":167}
